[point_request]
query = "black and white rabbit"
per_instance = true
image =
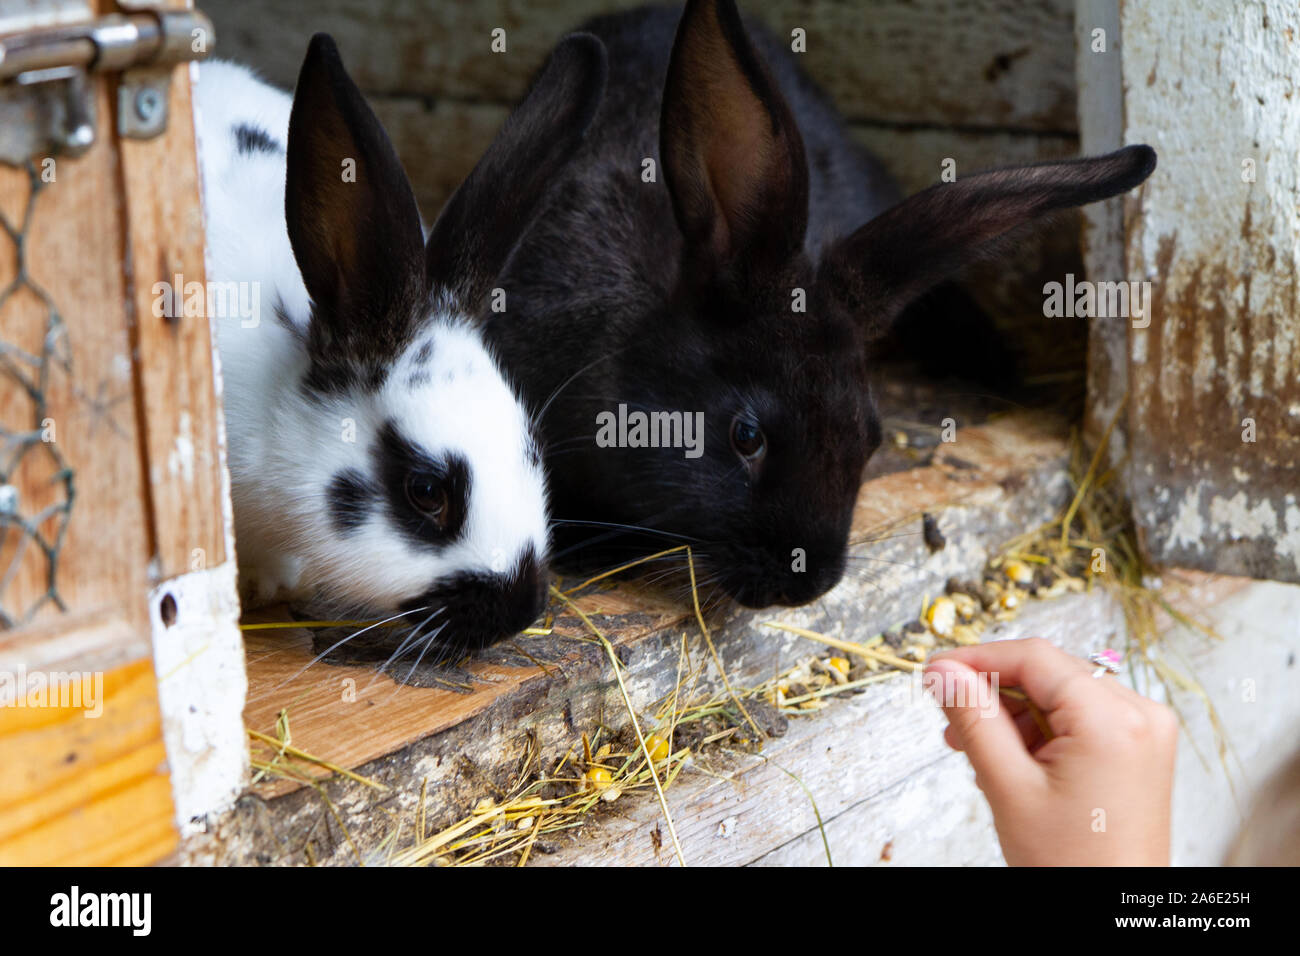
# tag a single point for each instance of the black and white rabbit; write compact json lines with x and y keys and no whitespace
{"x":682,"y":292}
{"x":381,"y":462}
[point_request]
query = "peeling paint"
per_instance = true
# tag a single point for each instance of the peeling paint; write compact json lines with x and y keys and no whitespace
{"x":181,"y":459}
{"x":1188,"y":527}
{"x":1217,"y":229}
{"x":199,"y":660}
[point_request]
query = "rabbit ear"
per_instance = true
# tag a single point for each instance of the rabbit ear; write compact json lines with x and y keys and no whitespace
{"x":903,"y":252}
{"x":732,"y":155}
{"x":350,"y":212}
{"x":485,"y":218}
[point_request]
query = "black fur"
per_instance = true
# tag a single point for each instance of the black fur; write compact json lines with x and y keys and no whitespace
{"x":250,"y":140}
{"x":485,"y":607}
{"x":394,"y":460}
{"x":676,"y":295}
{"x":351,"y":499}
{"x":358,"y":243}
{"x":480,"y":225}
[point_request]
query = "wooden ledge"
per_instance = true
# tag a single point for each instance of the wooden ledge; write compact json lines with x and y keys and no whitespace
{"x":995,"y":481}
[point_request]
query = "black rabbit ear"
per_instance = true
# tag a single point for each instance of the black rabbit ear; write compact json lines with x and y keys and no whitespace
{"x":733,"y":158}
{"x":350,"y":212}
{"x":912,"y":247}
{"x":486,"y":217}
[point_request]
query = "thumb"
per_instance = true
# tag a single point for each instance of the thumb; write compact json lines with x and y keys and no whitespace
{"x":980,"y":726}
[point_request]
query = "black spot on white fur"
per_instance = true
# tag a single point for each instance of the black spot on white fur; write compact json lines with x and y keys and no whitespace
{"x":250,"y":140}
{"x":483,"y":607}
{"x":395,"y":460}
{"x":350,"y":498}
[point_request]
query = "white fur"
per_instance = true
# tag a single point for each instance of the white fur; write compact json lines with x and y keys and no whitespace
{"x":285,"y":448}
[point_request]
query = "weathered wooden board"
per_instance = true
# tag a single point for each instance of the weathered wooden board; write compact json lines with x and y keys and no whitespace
{"x":71,"y":448}
{"x":886,"y":786}
{"x":1101,"y":130}
{"x":1214,"y":381}
{"x":872,"y":763}
{"x":357,"y":715}
{"x":987,"y":487}
{"x":1004,"y":64}
{"x":113,"y":486}
{"x":177,"y":390}
{"x":1005,"y":95}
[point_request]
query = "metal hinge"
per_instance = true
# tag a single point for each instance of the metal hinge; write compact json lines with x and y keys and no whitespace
{"x":50,"y":48}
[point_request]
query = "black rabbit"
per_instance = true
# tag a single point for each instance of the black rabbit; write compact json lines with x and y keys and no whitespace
{"x":743,"y":280}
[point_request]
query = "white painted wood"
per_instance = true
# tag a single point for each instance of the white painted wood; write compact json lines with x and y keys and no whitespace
{"x":199,"y":661}
{"x":1253,"y":679}
{"x":1216,"y":232}
{"x":1100,"y":76}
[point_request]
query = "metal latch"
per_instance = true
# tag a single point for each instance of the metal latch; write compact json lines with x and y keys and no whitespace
{"x":49,"y":49}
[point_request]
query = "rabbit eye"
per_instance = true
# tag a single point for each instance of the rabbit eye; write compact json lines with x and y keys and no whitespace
{"x":428,"y":495}
{"x":748,"y":440}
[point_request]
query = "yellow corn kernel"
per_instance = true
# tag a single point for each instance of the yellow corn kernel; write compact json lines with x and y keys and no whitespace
{"x":657,"y":747}
{"x":1018,"y":572}
{"x":841,"y":664}
{"x":942,"y":616}
{"x":966,"y":605}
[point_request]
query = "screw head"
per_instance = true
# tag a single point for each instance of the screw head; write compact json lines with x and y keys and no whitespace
{"x":148,"y":104}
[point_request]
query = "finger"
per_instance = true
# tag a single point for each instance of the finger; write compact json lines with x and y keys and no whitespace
{"x":981,"y":727}
{"x":1031,"y":731}
{"x":950,"y":738}
{"x":1042,"y":670}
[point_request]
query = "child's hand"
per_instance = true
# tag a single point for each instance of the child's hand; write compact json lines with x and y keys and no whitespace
{"x":1097,"y":792}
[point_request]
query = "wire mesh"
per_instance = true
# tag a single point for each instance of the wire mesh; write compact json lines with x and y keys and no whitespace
{"x":25,"y":378}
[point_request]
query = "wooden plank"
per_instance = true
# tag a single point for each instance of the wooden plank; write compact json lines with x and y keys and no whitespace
{"x":86,"y":781}
{"x":1214,"y":417}
{"x":118,"y":429}
{"x":72,"y":250}
{"x":1101,"y":130}
{"x":993,"y":482}
{"x":439,"y":143}
{"x":854,"y":753}
{"x":888,"y":789}
{"x":178,"y":396}
{"x":356,"y":716}
{"x":1004,"y":64}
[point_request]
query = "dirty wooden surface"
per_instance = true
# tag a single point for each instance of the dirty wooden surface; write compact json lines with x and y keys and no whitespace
{"x":886,"y":786}
{"x":874,"y":764}
{"x":111,"y":458}
{"x":1007,"y":64}
{"x":77,"y":357}
{"x":1215,"y":232}
{"x":988,"y":486}
{"x":1005,"y":94}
